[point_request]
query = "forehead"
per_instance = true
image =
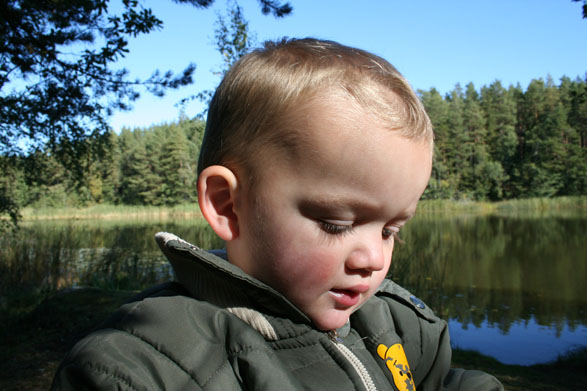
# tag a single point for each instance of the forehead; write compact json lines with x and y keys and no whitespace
{"x":334,"y":144}
{"x":326,"y":121}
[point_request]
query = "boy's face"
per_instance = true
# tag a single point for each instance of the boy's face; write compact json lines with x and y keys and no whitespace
{"x":319,"y":224}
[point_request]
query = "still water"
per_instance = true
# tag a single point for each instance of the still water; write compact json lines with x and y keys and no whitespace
{"x":511,"y":287}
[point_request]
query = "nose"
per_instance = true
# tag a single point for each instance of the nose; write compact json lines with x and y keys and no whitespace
{"x":368,"y":254}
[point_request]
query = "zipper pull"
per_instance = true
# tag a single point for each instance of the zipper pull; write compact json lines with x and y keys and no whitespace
{"x":333,"y":335}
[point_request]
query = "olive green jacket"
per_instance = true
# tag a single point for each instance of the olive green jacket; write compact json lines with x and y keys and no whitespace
{"x":217,"y":328}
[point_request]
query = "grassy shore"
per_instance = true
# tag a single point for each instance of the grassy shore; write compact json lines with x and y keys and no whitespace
{"x":568,"y":205}
{"x":105,"y":211}
{"x":576,"y":204}
{"x":32,"y":346}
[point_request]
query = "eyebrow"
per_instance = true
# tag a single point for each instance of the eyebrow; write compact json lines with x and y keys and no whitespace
{"x":336,"y":202}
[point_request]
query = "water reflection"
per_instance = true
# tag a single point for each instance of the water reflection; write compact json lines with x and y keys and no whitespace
{"x":47,"y":255}
{"x":525,"y":343}
{"x":498,"y":273}
{"x":498,"y":279}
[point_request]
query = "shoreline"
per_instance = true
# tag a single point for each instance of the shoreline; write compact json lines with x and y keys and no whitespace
{"x":565,"y":205}
{"x":110,"y":212}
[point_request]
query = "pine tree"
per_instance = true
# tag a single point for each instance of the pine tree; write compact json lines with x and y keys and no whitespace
{"x":110,"y":171}
{"x":437,"y":109}
{"x":499,"y":107}
{"x":480,"y":177}
{"x":174,"y":168}
{"x":458,"y":144}
{"x":574,"y":98}
{"x":139,"y":181}
{"x":542,"y":120}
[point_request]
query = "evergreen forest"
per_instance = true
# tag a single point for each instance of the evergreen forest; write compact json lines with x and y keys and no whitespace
{"x":493,"y":143}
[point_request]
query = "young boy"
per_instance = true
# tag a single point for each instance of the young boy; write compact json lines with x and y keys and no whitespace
{"x":315,"y":155}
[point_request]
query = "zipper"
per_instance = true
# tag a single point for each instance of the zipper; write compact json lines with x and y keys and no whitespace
{"x":354,"y":360}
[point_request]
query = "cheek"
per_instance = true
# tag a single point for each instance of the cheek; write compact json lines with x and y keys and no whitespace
{"x":296,"y":254}
{"x":309,"y":268}
{"x":388,"y":260}
{"x":321,"y":266}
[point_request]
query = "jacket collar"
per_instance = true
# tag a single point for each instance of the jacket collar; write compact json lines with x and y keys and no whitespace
{"x":213,"y":279}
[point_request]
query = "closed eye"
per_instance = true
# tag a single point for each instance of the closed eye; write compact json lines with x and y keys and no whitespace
{"x":335,"y":229}
{"x":342,"y":229}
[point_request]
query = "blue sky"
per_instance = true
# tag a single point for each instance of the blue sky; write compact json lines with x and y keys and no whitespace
{"x":433,"y":43}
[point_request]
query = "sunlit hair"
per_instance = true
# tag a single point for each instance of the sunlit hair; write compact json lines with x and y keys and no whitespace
{"x":251,"y":106}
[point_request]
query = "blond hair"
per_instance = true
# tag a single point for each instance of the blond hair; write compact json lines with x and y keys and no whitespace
{"x":263,"y":87}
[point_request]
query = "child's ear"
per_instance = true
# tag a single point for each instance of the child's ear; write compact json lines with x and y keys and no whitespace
{"x":217,"y":187}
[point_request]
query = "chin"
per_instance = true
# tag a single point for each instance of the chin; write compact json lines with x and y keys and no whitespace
{"x":327,"y":323}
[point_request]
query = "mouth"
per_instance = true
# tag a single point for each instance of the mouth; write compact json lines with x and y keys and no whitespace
{"x":346,"y":298}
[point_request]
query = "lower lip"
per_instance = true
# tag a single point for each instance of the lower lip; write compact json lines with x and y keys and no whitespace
{"x":344,"y":298}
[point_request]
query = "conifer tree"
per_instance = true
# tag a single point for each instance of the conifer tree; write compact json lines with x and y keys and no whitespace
{"x":484,"y":177}
{"x":542,"y":120}
{"x":574,"y":98}
{"x":174,"y":168}
{"x":437,"y":109}
{"x":110,"y":171}
{"x":499,"y":108}
{"x":138,"y":179}
{"x":459,"y":147}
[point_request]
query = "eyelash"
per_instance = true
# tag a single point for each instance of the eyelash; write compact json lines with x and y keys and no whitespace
{"x":388,"y":233}
{"x":334,"y":229}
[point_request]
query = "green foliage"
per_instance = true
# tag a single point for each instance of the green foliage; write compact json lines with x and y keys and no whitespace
{"x":153,"y":166}
{"x":57,"y":85}
{"x":158,"y":165}
{"x":491,"y":145}
{"x":233,"y":38}
{"x":507,"y":143}
{"x":11,"y":193}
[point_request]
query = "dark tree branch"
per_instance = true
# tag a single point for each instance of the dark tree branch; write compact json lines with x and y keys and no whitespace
{"x":584,"y":7}
{"x":60,"y":99}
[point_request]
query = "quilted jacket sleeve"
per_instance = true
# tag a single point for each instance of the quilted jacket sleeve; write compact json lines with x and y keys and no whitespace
{"x":114,"y":360}
{"x":143,"y":347}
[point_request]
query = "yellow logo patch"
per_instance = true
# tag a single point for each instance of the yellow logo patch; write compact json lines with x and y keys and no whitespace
{"x":397,"y":363}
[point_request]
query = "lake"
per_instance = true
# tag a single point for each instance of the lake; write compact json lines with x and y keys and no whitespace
{"x":510,"y":286}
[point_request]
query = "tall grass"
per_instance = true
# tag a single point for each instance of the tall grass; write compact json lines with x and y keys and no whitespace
{"x":39,"y":258}
{"x":568,"y":205}
{"x":544,"y":204}
{"x":565,"y":205}
{"x":106,"y":211}
{"x":451,"y":206}
{"x":30,"y":267}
